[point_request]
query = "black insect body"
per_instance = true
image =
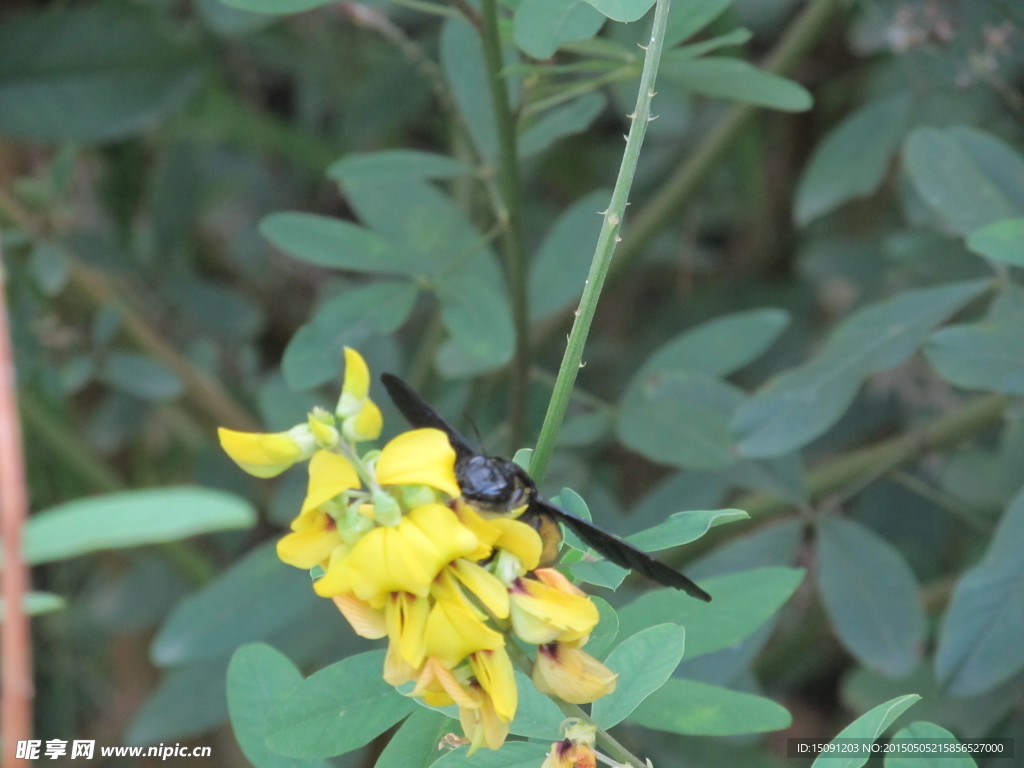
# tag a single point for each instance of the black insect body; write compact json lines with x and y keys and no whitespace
{"x":497,"y":485}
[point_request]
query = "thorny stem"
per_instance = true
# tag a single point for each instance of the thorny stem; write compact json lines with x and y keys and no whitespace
{"x":608,"y":239}
{"x":508,"y":213}
{"x":802,"y":33}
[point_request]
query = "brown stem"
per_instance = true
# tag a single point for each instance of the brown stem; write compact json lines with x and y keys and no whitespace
{"x":15,"y":636}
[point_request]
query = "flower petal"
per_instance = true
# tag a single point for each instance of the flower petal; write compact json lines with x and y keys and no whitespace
{"x":329,"y":475}
{"x":357,"y":375}
{"x":366,"y":621}
{"x":311,"y":545}
{"x":493,"y":670}
{"x":260,"y":454}
{"x":454,"y":631}
{"x":571,"y":674}
{"x":419,"y":457}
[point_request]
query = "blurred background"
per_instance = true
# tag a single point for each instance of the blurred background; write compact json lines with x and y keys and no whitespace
{"x":143,"y":144}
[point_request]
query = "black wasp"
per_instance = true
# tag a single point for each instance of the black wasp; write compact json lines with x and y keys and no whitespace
{"x":497,"y":485}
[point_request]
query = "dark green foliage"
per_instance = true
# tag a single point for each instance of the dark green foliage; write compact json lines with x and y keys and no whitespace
{"x":814,"y":334}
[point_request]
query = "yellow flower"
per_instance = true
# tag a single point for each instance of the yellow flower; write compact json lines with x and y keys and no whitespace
{"x":406,"y":619}
{"x":360,"y":417}
{"x":266,"y":455}
{"x":440,"y":686}
{"x":419,"y":457}
{"x":493,"y":671}
{"x":330,"y":474}
{"x":313,"y":539}
{"x":366,"y":621}
{"x":402,"y":558}
{"x":571,"y":674}
{"x":483,"y":726}
{"x":565,"y":754}
{"x":455,"y":630}
{"x":550,"y":608}
{"x":576,"y":750}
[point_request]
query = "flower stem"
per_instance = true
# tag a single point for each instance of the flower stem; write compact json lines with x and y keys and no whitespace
{"x":508,"y":212}
{"x":608,"y":239}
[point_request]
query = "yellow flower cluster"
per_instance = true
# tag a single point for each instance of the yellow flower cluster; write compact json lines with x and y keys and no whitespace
{"x":403,"y":556}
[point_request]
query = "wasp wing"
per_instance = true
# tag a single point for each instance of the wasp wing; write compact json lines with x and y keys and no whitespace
{"x":623,"y":554}
{"x":419,"y":414}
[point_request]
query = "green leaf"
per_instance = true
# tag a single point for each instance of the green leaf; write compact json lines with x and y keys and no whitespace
{"x":680,"y":418}
{"x":742,"y":603}
{"x":131,"y":519}
{"x":622,"y":10}
{"x":396,"y":165}
{"x":1002,"y":241}
{"x":643,"y":662}
{"x":557,"y":123}
{"x":869,"y":726}
{"x":37,"y":603}
{"x":730,"y":78}
{"x":255,"y":597}
{"x":336,"y":710}
{"x":698,"y":709}
{"x":718,"y":347}
{"x":799,"y":405}
{"x":852,"y":160}
{"x":968,"y":177}
{"x":258,"y":677}
{"x":91,"y":73}
{"x":980,"y":639}
{"x":926,"y":732}
{"x":687,"y":17}
{"x":141,"y":376}
{"x":314,"y":354}
{"x":537,"y":716}
{"x":463,"y":62}
{"x":475,"y":312}
{"x":871,"y":596}
{"x":415,"y":744}
{"x":987,"y":355}
{"x":559,"y":268}
{"x":329,"y":242}
{"x":514,"y":754}
{"x":276,"y":7}
{"x":541,"y":26}
{"x":684,"y":527}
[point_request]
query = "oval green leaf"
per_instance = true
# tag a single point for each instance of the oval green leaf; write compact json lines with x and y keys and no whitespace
{"x":699,"y":709}
{"x":980,"y":639}
{"x":868,"y":726}
{"x":643,"y":662}
{"x":258,"y":677}
{"x":1002,"y":241}
{"x":336,"y":710}
{"x":131,"y":519}
{"x":927,"y":732}
{"x":871,"y":596}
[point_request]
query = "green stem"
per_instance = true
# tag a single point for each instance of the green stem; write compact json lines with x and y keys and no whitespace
{"x":508,"y":213}
{"x":804,"y":31}
{"x":609,"y":237}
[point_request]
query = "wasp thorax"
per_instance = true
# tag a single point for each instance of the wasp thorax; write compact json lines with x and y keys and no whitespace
{"x":494,"y":484}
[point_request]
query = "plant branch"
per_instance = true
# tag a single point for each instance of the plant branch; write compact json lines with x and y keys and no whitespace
{"x":508,"y":213}
{"x":802,"y":33}
{"x":15,"y":633}
{"x":208,"y":395}
{"x":608,"y":239}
